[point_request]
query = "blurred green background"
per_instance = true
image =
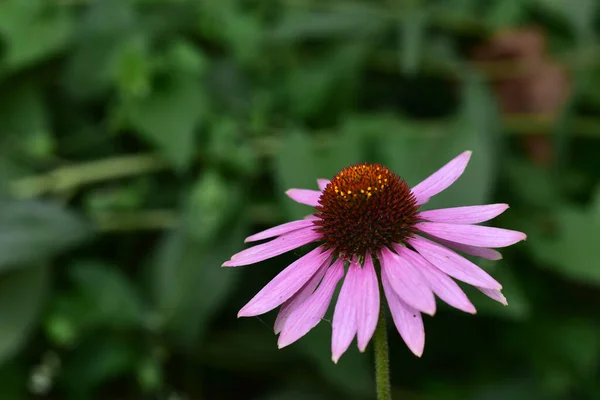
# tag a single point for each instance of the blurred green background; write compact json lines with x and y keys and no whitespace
{"x":141,"y":141}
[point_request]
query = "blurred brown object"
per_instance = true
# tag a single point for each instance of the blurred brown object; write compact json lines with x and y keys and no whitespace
{"x":528,"y":81}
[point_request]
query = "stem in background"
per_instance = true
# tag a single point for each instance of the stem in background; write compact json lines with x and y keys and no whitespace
{"x":382,"y":360}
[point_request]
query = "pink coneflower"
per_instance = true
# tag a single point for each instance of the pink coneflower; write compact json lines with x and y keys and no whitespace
{"x":365,"y":217}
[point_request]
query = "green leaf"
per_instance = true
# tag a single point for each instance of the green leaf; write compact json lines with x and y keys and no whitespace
{"x":211,"y":202}
{"x":573,"y":250}
{"x":325,"y":82}
{"x":355,"y":20}
{"x":295,"y":167}
{"x":34,"y":230}
{"x":22,"y":295}
{"x":111,"y":299}
{"x":251,"y":347}
{"x":33,"y":31}
{"x":505,"y":13}
{"x":131,"y":67}
{"x":518,"y":304}
{"x":188,"y":283}
{"x":412,"y":34}
{"x":22,"y":116}
{"x":228,"y":146}
{"x":415,"y":154}
{"x":579,"y":15}
{"x":105,"y":27}
{"x":347,"y":149}
{"x":97,"y":360}
{"x":350,"y":374}
{"x":169,"y":117}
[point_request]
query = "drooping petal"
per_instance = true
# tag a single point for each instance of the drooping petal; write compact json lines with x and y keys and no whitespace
{"x":482,"y":252}
{"x":280,"y":230}
{"x":472,"y":235}
{"x":408,"y":321}
{"x":306,"y":316}
{"x":323,"y":183}
{"x":304,"y":196}
{"x":464,"y":215}
{"x":296,"y":300}
{"x":344,"y":316}
{"x":407,"y":282}
{"x":441,"y":179}
{"x":494,"y":295}
{"x":453,"y":264}
{"x":367,"y":313}
{"x":285,"y":284}
{"x":440,"y":283}
{"x":275,"y":247}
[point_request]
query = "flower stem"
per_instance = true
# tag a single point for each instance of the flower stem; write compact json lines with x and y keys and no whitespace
{"x":382,"y":361}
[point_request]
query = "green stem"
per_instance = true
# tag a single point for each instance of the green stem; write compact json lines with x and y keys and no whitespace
{"x":382,"y":360}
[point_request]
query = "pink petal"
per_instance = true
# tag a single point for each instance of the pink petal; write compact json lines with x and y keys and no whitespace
{"x":305,"y":196}
{"x":275,"y":247}
{"x":472,"y":235}
{"x":482,"y":252}
{"x":440,"y":283}
{"x":464,"y":215}
{"x":408,"y":321}
{"x":280,"y":230}
{"x":306,"y":316}
{"x":407,"y":282}
{"x":367,"y":313}
{"x":286,"y":283}
{"x":441,"y":179}
{"x":494,"y":294}
{"x":296,"y":300}
{"x":323,"y":183}
{"x":452,"y":264}
{"x":344,"y":316}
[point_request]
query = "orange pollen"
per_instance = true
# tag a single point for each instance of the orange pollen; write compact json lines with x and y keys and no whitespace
{"x":364,"y":208}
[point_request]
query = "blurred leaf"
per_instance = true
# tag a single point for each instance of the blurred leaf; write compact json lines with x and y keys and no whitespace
{"x":13,"y":376}
{"x":131,"y":67}
{"x":518,"y":304}
{"x":295,"y":394}
{"x":415,"y":154}
{"x":350,"y":375}
{"x":295,"y":167}
{"x":110,"y":299}
{"x":347,"y":149}
{"x":97,"y":360}
{"x":563,"y":358}
{"x":33,"y":31}
{"x":22,"y":116}
{"x":34,"y":230}
{"x":322,"y":83}
{"x":104,"y":27}
{"x":355,"y":20}
{"x":505,"y":13}
{"x":183,"y":56}
{"x":573,"y":250}
{"x":22,"y":296}
{"x":188,"y":283}
{"x":169,"y":117}
{"x":211,"y":202}
{"x":476,"y":130}
{"x":579,"y":15}
{"x":412,"y":33}
{"x":251,"y":348}
{"x":533,"y":184}
{"x":228,"y":145}
{"x":150,"y":375}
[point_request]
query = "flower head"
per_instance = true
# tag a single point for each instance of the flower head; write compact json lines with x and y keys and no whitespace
{"x":364,"y":217}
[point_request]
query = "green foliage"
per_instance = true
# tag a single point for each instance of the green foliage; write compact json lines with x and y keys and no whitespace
{"x":142,"y":140}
